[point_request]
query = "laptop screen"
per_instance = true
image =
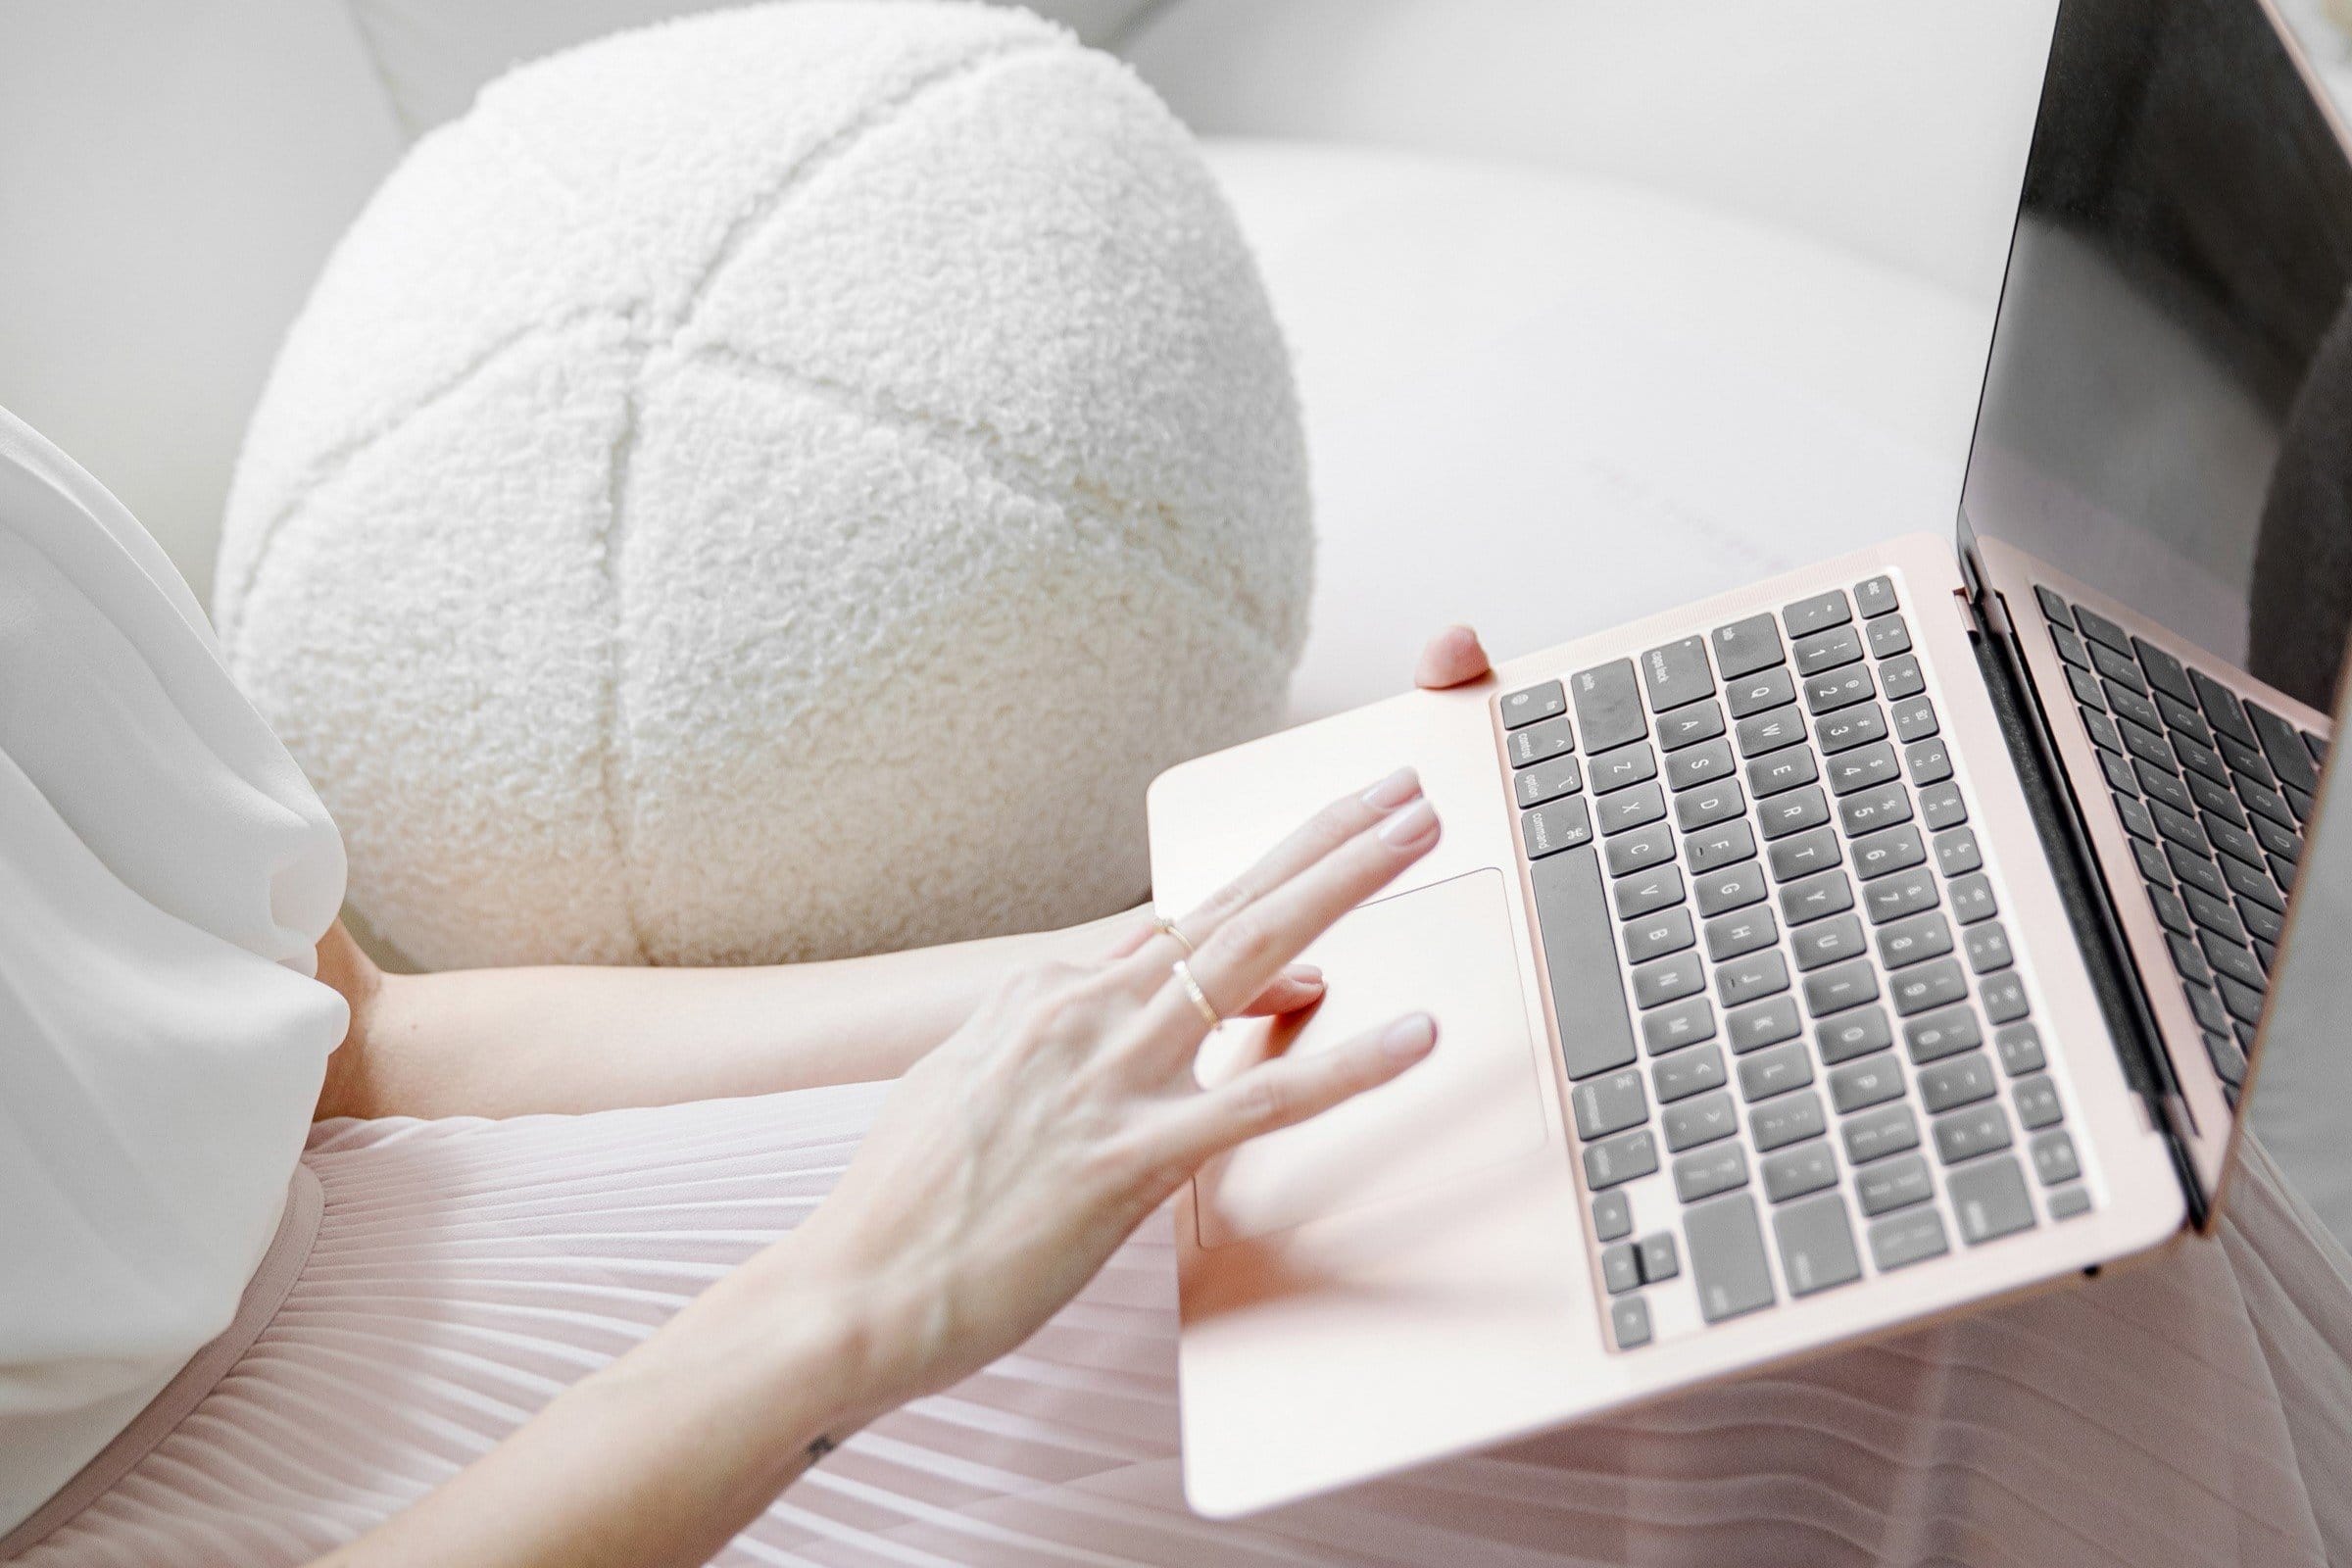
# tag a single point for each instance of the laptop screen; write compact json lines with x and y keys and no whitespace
{"x":2166,"y":414}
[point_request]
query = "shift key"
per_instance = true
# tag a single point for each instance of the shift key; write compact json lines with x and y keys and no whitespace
{"x":1608,"y":706}
{"x":1580,"y":949}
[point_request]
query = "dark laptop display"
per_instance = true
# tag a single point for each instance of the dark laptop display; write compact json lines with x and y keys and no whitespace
{"x":2167,"y":419}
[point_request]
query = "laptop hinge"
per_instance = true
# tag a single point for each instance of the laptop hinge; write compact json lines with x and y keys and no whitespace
{"x":2057,"y":816}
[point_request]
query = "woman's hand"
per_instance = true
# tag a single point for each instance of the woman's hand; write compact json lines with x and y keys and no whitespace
{"x":1008,"y":1163}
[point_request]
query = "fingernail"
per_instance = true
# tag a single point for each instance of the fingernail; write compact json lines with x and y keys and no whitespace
{"x":1393,"y":790}
{"x":1409,"y":1038}
{"x":1304,"y":974}
{"x":1408,"y":828}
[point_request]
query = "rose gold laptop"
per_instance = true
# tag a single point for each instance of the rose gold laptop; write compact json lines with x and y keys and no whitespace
{"x":1869,"y":944}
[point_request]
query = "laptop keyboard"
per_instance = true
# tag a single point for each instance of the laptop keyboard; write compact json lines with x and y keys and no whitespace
{"x":2213,"y":789}
{"x":1829,"y":1068}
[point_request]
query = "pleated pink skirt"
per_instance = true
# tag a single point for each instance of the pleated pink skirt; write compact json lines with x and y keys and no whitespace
{"x":2199,"y":1411}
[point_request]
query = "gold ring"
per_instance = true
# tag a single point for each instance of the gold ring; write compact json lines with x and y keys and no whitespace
{"x":1182,"y":972}
{"x":1168,"y":927}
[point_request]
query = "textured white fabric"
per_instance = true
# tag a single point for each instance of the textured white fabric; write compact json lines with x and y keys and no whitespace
{"x":164,"y":875}
{"x":767,"y":486}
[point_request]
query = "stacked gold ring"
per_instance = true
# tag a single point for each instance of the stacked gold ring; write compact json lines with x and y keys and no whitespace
{"x":1168,"y":927}
{"x":1182,"y":972}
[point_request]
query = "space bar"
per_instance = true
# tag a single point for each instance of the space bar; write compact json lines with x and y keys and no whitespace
{"x":1579,"y":949}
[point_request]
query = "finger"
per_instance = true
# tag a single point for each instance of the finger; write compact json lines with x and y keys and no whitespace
{"x":1290,"y":1089}
{"x":1453,"y":657}
{"x":1298,"y":985}
{"x":1338,"y":822}
{"x":1245,"y":951}
{"x":1130,"y":931}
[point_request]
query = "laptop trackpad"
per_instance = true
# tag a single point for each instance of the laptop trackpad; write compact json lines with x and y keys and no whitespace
{"x":1446,"y":950}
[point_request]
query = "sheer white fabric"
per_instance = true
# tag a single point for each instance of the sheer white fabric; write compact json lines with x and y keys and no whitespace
{"x":165,"y":877}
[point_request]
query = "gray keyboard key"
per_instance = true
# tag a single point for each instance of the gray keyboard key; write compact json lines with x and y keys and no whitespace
{"x":1839,"y":688}
{"x":1817,"y":1245}
{"x":1677,"y":674}
{"x":1854,"y":1034}
{"x":1875,"y":597}
{"x":1814,"y":613}
{"x":1643,"y":847}
{"x":1726,"y":1257}
{"x":1972,"y":898}
{"x":1708,"y":805}
{"x":1761,"y":1024}
{"x":1956,"y":1081}
{"x":1772,"y":730}
{"x":1902,"y":677}
{"x":2020,"y":1046}
{"x":1859,"y":1085}
{"x":1697,"y":764}
{"x":1698,"y":1121}
{"x":1863,"y":767}
{"x":1548,"y":781}
{"x":1540,"y":742}
{"x":1907,"y":1239}
{"x":1608,"y":709}
{"x":1677,"y":1024}
{"x":1840,"y":986}
{"x":1914,"y":718}
{"x":2069,"y":1201}
{"x":1956,"y":852}
{"x":1659,"y":1260}
{"x":2054,"y":1158}
{"x":1724,"y":844}
{"x":1744,"y":979}
{"x":1609,"y":1103}
{"x":1629,"y":1321}
{"x":1927,"y":762}
{"x":1987,"y":948}
{"x":1877,"y":1134}
{"x":1612,"y":1217}
{"x":1579,"y":949}
{"x":1966,"y":1134}
{"x":1647,"y":892}
{"x":1786,"y":1119}
{"x":1620,"y":1269}
{"x":1687,"y":1072}
{"x":1816,"y":897}
{"x":1690,"y":724}
{"x":1849,"y":727}
{"x":1523,"y":708}
{"x":1667,"y":979}
{"x":1627,"y":810}
{"x":1550,"y":829}
{"x":1621,"y":1158}
{"x":1989,"y":1200}
{"x":1891,"y":898}
{"x":1824,"y":649}
{"x":1889,"y":637}
{"x":1746,"y":646}
{"x":1934,"y":1036}
{"x":1940,"y":806}
{"x":1738,"y":933}
{"x":2004,"y":997}
{"x":1625,"y":766}
{"x":1783,"y":769}
{"x":1794,"y":1172}
{"x":1866,"y":811}
{"x":1708,"y":1171}
{"x":1775,"y":1070}
{"x":1920,"y":987}
{"x":1753,"y":694}
{"x":1893,"y":849}
{"x":1893,"y":1184}
{"x":1793,"y":813}
{"x":2037,"y":1102}
{"x":1913,"y":939}
{"x":1814,"y":849}
{"x":1656,"y":935}
{"x":1734,"y":888}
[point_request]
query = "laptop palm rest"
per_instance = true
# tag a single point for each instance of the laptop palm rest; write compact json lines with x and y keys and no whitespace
{"x":1445,"y":950}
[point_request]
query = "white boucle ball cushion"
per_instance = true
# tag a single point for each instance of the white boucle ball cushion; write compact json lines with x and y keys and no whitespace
{"x":771,"y":486}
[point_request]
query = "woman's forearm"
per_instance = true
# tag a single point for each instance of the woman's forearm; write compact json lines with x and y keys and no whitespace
{"x":510,"y":1042}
